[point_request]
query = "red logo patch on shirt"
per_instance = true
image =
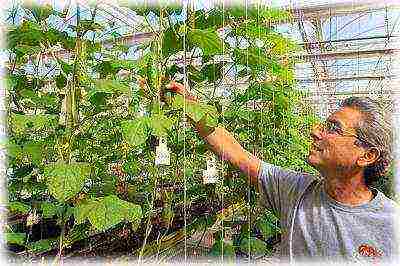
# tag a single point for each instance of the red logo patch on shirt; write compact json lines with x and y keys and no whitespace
{"x":369,"y":251}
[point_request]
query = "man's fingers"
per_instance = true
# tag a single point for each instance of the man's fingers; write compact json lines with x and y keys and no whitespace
{"x":176,"y":87}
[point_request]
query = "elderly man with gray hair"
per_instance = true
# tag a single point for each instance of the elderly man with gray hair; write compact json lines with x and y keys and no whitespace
{"x":336,"y":216}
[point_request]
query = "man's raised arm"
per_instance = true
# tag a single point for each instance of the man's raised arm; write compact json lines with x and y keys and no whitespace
{"x":222,"y":142}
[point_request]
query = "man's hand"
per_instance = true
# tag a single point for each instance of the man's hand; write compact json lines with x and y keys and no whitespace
{"x":180,"y":89}
{"x":176,"y":87}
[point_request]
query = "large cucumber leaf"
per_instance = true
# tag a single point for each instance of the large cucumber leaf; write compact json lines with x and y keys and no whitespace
{"x":22,"y":124}
{"x":171,"y":43}
{"x":42,"y":245}
{"x":50,"y":209}
{"x":109,"y":87}
{"x":135,"y":132}
{"x":66,"y":180}
{"x":253,"y":246}
{"x":224,"y":248}
{"x":18,"y":207}
{"x":197,"y":111}
{"x":160,"y":124}
{"x":16,"y":238}
{"x":103,"y":213}
{"x":208,"y":40}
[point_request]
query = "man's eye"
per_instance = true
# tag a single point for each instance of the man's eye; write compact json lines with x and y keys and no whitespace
{"x":333,"y":128}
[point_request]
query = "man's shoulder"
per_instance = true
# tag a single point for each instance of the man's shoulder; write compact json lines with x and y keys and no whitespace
{"x":289,"y":179}
{"x":388,"y":204}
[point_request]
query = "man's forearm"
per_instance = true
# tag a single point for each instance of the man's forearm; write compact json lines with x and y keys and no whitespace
{"x":226,"y":146}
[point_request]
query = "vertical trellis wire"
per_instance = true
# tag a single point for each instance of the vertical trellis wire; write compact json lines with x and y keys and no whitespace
{"x":248,"y":128}
{"x":185,"y":83}
{"x":222,"y":162}
{"x":259,"y":85}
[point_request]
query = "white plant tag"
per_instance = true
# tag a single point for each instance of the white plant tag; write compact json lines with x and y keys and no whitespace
{"x":162,"y":153}
{"x":33,"y":218}
{"x":141,"y":110}
{"x":210,"y":175}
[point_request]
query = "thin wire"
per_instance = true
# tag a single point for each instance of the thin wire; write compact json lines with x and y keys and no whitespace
{"x":248,"y":181}
{"x":184,"y":133}
{"x":223,"y":168}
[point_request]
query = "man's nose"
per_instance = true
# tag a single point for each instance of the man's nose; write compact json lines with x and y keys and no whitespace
{"x":316,"y":132}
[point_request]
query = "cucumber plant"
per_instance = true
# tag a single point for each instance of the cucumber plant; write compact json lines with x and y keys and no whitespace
{"x":85,"y":122}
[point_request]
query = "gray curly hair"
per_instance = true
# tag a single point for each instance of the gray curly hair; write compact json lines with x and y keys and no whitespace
{"x":373,"y":131}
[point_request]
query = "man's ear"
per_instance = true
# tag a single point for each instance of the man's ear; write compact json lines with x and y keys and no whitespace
{"x":369,"y":157}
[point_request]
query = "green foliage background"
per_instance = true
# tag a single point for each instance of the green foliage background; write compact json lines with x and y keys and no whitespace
{"x":82,"y":138}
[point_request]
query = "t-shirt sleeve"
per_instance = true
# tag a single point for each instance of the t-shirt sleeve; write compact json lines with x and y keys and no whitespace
{"x":280,"y":188}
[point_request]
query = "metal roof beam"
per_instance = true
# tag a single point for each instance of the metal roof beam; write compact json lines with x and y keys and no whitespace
{"x":380,"y":77}
{"x":348,"y":55}
{"x":339,"y":9}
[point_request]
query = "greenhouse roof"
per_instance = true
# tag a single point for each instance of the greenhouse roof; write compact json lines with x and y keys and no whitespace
{"x":348,"y":46}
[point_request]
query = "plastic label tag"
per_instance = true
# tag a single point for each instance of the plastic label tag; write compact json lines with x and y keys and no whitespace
{"x":141,"y":110}
{"x":162,"y":153}
{"x":210,"y":175}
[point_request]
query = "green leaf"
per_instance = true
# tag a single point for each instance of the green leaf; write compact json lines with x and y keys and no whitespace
{"x":54,"y":36}
{"x":197,"y":111}
{"x":266,"y":229}
{"x":253,"y":30}
{"x":61,"y":81}
{"x":274,"y":14}
{"x":240,"y":112}
{"x":66,"y":68}
{"x":212,"y":72}
{"x":109,"y":86}
{"x":78,"y":232}
{"x":113,"y":66}
{"x":66,"y":180}
{"x":49,"y":209}
{"x":160,"y":124}
{"x":42,"y":245}
{"x":16,"y":238}
{"x":22,"y":50}
{"x":178,"y":102}
{"x":256,"y":12}
{"x":255,"y":58}
{"x":223,"y":248}
{"x":14,"y":150}
{"x":135,"y":132}
{"x":42,"y":12}
{"x":268,"y":225}
{"x":22,"y":124}
{"x":212,"y":18}
{"x":35,"y":151}
{"x":143,"y":9}
{"x":253,"y":246}
{"x":171,"y":43}
{"x":86,"y":25}
{"x":257,"y":91}
{"x":207,"y":40}
{"x":104,"y":213}
{"x":19,"y":207}
{"x":28,"y":33}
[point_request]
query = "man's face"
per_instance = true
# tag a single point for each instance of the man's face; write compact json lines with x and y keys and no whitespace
{"x":335,"y":151}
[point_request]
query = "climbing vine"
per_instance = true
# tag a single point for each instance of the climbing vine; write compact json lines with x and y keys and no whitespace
{"x":99,"y":151}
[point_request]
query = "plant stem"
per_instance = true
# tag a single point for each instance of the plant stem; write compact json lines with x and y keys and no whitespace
{"x":61,"y":242}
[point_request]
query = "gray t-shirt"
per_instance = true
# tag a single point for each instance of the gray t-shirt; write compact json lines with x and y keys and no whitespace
{"x":316,"y":227}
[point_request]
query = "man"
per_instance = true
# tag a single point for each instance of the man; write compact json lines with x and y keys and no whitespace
{"x":336,"y":216}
